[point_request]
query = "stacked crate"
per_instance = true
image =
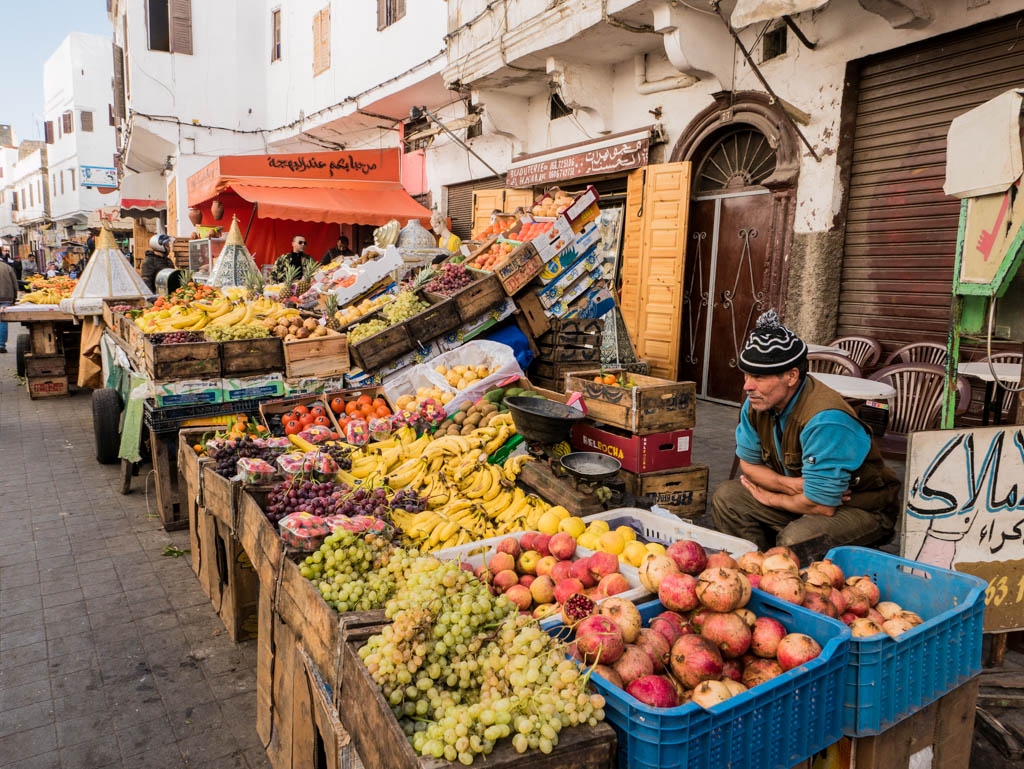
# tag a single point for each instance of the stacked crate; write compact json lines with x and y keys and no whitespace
{"x":569,"y":346}
{"x":647,"y":424}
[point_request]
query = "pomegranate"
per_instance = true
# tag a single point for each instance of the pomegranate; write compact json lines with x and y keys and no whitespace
{"x":856,"y":602}
{"x":698,"y":615}
{"x":765,"y":637}
{"x":783,"y":550}
{"x":796,"y":649}
{"x":543,"y":589}
{"x":505,"y":579}
{"x":896,"y":626}
{"x":566,"y":587}
{"x":888,"y":609}
{"x":779,"y":562}
{"x":729,"y":632}
{"x":501,"y":561}
{"x":581,"y":570}
{"x":760,"y":670}
{"x":576,"y":608}
{"x":848,"y":618}
{"x":653,"y":570}
{"x":754,"y":580}
{"x":682,"y":692}
{"x":607,"y":672}
{"x":540,"y":543}
{"x":668,"y":624}
{"x":678,"y":592}
{"x":562,"y":546}
{"x":838,"y":600}
{"x":520,"y":596}
{"x":633,"y":664}
{"x":866,"y":588}
{"x":786,"y":585}
{"x":695,"y":659}
{"x":624,"y":614}
{"x":831,"y":568}
{"x":748,"y":616}
{"x":602,"y":564}
{"x":598,"y":639}
{"x":734,"y":686}
{"x":750,"y":563}
{"x":909,"y":616}
{"x":561,"y":571}
{"x":690,"y":556}
{"x":817,"y":581}
{"x":657,"y":647}
{"x":612,"y":584}
{"x":815,"y":602}
{"x":874,"y":616}
{"x":723,"y":590}
{"x":721,"y":560}
{"x":732,"y":669}
{"x":862,"y":627}
{"x":509,"y":545}
{"x":655,"y":691}
{"x":707,"y":694}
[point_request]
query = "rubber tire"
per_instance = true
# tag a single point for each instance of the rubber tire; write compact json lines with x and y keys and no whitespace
{"x":106,"y":424}
{"x":21,"y":346}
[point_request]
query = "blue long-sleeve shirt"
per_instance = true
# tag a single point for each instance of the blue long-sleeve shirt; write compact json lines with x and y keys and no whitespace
{"x":834,"y":445}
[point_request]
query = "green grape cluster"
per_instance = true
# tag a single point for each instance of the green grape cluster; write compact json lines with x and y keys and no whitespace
{"x":355,"y":571}
{"x":463,"y":669}
{"x":241,"y":331}
{"x":405,"y":305}
{"x":365,"y":330}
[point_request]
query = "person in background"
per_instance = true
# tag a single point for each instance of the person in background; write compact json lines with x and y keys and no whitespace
{"x":156,"y":259}
{"x":446,"y":239}
{"x":810,"y":467}
{"x":342,"y":249}
{"x":15,"y":264}
{"x":8,"y":293}
{"x":298,"y":258}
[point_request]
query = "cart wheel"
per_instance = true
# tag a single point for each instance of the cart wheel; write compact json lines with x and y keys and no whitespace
{"x":22,"y":345}
{"x":106,"y":424}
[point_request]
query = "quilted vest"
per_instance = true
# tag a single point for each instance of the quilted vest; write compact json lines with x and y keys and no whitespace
{"x":873,"y":486}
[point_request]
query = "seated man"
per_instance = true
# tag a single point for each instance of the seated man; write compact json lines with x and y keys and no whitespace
{"x":809,"y":465}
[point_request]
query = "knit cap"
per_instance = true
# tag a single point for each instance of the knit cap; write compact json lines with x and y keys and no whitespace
{"x":772,"y":348}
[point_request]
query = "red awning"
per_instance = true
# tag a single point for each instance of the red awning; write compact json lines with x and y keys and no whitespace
{"x":140,"y":207}
{"x":335,"y":201}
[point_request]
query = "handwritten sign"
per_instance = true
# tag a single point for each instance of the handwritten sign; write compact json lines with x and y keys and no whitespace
{"x":618,"y":157}
{"x":965,"y":511}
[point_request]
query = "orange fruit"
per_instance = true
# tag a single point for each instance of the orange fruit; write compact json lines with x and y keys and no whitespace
{"x":610,"y":379}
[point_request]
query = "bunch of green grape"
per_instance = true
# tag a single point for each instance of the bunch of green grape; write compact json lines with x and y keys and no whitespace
{"x":241,"y":331}
{"x":355,"y":571}
{"x":365,"y":330}
{"x":405,"y":305}
{"x":463,"y":669}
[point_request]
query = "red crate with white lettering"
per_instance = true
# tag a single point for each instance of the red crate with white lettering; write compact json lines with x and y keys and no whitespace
{"x":637,"y":453}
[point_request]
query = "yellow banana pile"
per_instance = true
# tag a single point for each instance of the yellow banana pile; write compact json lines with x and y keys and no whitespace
{"x":42,"y":296}
{"x":467,"y":498}
{"x":217,"y":313}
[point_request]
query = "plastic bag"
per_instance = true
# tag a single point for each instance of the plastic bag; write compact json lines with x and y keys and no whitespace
{"x":303,"y":531}
{"x":358,"y":523}
{"x":255,"y":470}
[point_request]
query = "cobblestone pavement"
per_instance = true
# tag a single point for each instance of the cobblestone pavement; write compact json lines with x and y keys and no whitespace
{"x":110,"y":653}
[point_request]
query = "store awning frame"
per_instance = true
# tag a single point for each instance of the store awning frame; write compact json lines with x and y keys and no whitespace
{"x":143,"y":195}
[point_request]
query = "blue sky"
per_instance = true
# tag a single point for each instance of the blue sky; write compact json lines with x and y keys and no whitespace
{"x":32,"y":30}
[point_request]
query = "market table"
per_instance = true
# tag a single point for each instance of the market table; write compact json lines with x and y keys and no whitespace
{"x":855,"y":388}
{"x":1006,"y":372}
{"x":827,"y":348}
{"x":51,"y":360}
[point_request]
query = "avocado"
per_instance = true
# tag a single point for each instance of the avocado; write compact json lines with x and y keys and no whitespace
{"x":495,"y":395}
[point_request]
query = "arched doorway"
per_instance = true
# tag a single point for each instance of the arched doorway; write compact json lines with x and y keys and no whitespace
{"x":745,"y":166}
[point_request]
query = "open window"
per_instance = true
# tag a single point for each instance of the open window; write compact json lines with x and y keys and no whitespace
{"x":388,"y":12}
{"x":275,"y":35}
{"x":169,"y":25}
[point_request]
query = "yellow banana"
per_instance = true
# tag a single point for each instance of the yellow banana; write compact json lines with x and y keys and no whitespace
{"x":498,"y":441}
{"x":402,"y":476}
{"x":200,"y":324}
{"x":363,"y":467}
{"x":514,"y":465}
{"x":496,"y":485}
{"x":481,"y":485}
{"x":230,"y":319}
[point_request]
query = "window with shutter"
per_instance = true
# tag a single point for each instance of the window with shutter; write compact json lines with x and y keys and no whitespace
{"x":388,"y":12}
{"x":71,"y":173}
{"x":67,"y":121}
{"x":118,"y":110}
{"x":61,"y":183}
{"x":48,"y":131}
{"x":181,"y":26}
{"x":86,"y":119}
{"x":275,"y":35}
{"x":110,"y":114}
{"x":158,"y":25}
{"x":322,"y":41}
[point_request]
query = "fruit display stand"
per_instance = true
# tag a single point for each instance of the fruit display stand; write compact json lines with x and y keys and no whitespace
{"x":49,"y":356}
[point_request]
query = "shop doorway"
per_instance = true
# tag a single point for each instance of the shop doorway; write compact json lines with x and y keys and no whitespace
{"x":745,"y":167}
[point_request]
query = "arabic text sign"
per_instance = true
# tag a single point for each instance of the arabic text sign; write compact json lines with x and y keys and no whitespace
{"x":965,"y":511}
{"x":619,"y":157}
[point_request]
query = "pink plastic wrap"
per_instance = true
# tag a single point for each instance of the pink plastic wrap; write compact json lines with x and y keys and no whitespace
{"x":303,"y":531}
{"x":255,"y":470}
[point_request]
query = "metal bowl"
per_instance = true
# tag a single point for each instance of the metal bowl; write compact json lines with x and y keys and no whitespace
{"x":591,"y":465}
{"x":540,"y":420}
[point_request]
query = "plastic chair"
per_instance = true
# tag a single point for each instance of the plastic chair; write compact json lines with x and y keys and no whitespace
{"x":832,"y":363}
{"x":1008,"y":396}
{"x":919,"y":352}
{"x":917,"y":405}
{"x":865,"y":351}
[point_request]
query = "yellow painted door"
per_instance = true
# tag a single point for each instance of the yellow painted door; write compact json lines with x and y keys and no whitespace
{"x":518,"y":199}
{"x":630,"y":263}
{"x":485,"y":202}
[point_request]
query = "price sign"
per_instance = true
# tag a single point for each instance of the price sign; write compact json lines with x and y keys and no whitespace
{"x":964,"y":510}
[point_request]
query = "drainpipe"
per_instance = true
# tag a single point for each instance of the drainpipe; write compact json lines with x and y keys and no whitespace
{"x":645,"y":86}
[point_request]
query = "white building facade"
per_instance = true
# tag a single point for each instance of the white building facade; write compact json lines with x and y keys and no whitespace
{"x":78,"y":130}
{"x":8,"y":159}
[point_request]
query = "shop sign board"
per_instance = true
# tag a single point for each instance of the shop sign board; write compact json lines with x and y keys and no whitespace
{"x":623,"y":156}
{"x":964,"y":510}
{"x":97,"y":176}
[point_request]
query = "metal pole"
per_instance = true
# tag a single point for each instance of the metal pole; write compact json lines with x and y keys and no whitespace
{"x":459,"y":141}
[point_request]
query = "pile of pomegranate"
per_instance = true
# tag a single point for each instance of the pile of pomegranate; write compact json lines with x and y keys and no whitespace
{"x":705,"y":647}
{"x":822,"y":587}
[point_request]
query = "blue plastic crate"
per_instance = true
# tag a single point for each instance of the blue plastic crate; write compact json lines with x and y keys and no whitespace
{"x":775,"y":725}
{"x":889,"y":679}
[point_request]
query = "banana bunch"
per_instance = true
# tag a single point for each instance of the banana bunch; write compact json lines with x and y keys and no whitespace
{"x":42,"y":296}
{"x":218,"y":313}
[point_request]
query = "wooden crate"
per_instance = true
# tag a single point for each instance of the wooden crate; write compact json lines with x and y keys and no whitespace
{"x":44,"y":366}
{"x":321,"y":356}
{"x":532,"y":312}
{"x":559,"y":490}
{"x":47,"y":387}
{"x":652,"y":406}
{"x":479,"y":297}
{"x":249,"y":357}
{"x":374,"y":351}
{"x":441,"y":317}
{"x":219,"y":495}
{"x":234,"y":587}
{"x":573,"y":326}
{"x":683,"y":492}
{"x":381,"y":744}
{"x":522,"y":266}
{"x":189,"y":464}
{"x":114,"y":318}
{"x":259,"y":539}
{"x":189,"y":360}
{"x":557,"y":372}
{"x":564,"y":354}
{"x":281,"y":405}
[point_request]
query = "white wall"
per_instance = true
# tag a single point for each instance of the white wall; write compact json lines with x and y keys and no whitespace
{"x":28,"y":175}
{"x":8,"y":159}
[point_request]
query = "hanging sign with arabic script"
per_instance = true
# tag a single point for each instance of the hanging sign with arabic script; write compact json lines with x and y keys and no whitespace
{"x":965,"y":511}
{"x":606,"y":160}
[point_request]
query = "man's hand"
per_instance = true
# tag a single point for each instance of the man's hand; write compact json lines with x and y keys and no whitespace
{"x":791,"y":503}
{"x":769,"y":480}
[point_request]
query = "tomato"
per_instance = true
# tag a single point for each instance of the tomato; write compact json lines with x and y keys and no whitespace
{"x":351,"y":407}
{"x":364,"y":399}
{"x":300,"y":410}
{"x":322,"y":419}
{"x":338,"y":405}
{"x":292,"y":427}
{"x":286,"y":416}
{"x":343,"y":422}
{"x":366,"y":410}
{"x":318,"y":411}
{"x":378,"y":402}
{"x":381,"y":412}
{"x":306,"y":420}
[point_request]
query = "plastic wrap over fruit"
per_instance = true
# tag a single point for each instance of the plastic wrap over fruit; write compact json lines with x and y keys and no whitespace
{"x":380,"y":428}
{"x":317,"y":434}
{"x":357,"y":432}
{"x":256,"y":470}
{"x":358,"y":523}
{"x":303,"y":531}
{"x":321,"y":463}
{"x":279,"y":442}
{"x":432,"y":412}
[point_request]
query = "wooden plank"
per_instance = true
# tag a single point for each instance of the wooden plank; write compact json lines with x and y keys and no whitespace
{"x":321,"y":356}
{"x":16,"y":314}
{"x":219,"y":494}
{"x":260,"y":541}
{"x":165,"y":473}
{"x":265,"y":644}
{"x":374,"y":351}
{"x":532,"y":312}
{"x":236,"y":586}
{"x":562,"y":354}
{"x":441,"y":317}
{"x":44,"y":366}
{"x":954,"y":725}
{"x":241,"y":357}
{"x":190,"y":360}
{"x":683,"y":492}
{"x":47,"y":387}
{"x":559,"y":491}
{"x":481,"y":296}
{"x":43,"y":337}
{"x":331,"y":732}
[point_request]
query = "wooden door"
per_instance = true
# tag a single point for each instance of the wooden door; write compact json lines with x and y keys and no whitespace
{"x":518,"y":199}
{"x":725,"y":288}
{"x":485,"y":203}
{"x":631,"y":262}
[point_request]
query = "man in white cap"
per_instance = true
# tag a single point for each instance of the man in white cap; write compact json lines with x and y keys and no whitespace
{"x":809,"y":466}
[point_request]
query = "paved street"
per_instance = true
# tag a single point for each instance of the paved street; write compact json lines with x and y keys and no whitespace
{"x":110,"y":653}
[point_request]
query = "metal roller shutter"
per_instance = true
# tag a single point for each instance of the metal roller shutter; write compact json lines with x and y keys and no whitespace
{"x":901,"y":228}
{"x":459,"y":203}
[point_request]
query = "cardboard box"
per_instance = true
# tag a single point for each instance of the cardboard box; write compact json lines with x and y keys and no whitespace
{"x":549,"y":244}
{"x":476,"y":326}
{"x":637,"y":453}
{"x":596,"y":302}
{"x":583,"y":209}
{"x":581,"y":247}
{"x":304,"y":386}
{"x":253,"y":387}
{"x":577,"y":289}
{"x":369,"y":275}
{"x":188,"y":392}
{"x":562,"y":282}
{"x":683,"y":492}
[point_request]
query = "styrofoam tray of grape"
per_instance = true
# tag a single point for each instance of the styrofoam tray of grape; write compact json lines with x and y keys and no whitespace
{"x":652,"y":527}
